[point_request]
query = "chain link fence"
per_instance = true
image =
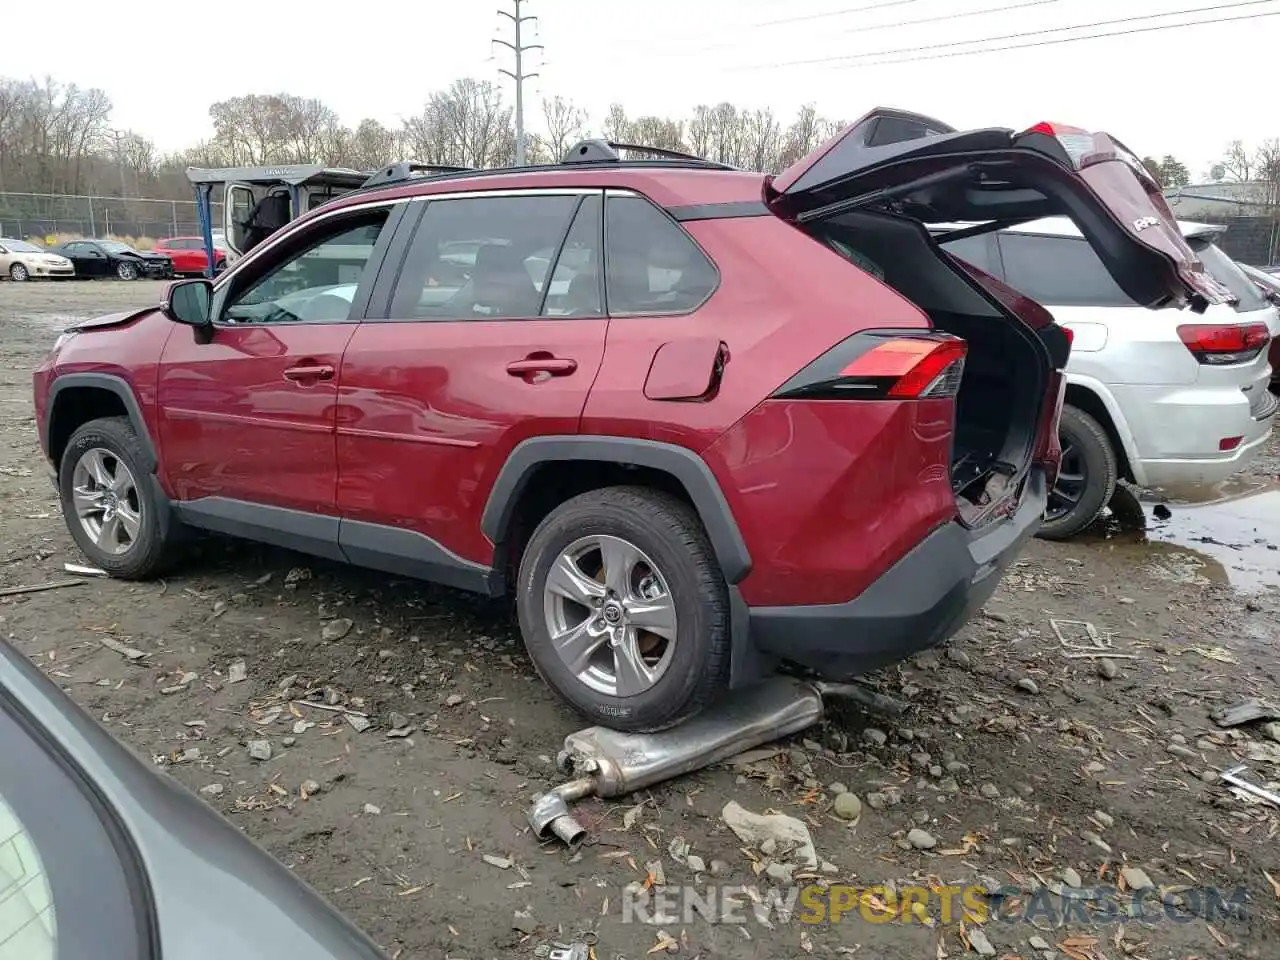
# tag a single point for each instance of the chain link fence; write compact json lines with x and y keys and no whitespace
{"x":51,"y":218}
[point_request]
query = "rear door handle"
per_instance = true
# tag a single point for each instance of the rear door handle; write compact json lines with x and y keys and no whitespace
{"x":313,"y":371}
{"x":551,"y":366}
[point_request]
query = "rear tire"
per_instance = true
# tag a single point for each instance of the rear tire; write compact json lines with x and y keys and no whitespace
{"x":1087,"y":480}
{"x":111,"y":503}
{"x":669,"y":566}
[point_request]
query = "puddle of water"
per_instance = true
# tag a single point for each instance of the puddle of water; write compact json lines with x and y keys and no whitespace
{"x":1234,"y":539}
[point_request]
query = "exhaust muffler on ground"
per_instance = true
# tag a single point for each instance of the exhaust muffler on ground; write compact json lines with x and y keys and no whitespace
{"x":607,"y":764}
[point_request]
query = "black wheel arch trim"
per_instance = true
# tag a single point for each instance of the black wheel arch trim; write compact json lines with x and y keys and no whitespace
{"x":113,"y":384}
{"x":684,"y":465}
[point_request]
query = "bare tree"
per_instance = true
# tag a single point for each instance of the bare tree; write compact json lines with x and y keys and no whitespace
{"x":565,"y":123}
{"x":616,"y":127}
{"x":1237,"y":164}
{"x":467,"y":125}
{"x":371,"y":145}
{"x":657,"y":132}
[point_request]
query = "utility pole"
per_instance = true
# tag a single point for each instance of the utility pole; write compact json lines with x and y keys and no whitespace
{"x":118,"y":138}
{"x":518,"y":20}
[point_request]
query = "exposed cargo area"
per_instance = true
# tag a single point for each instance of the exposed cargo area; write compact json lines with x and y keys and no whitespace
{"x":1006,"y":367}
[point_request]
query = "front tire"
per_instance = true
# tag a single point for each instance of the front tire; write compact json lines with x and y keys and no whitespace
{"x":110,"y":501}
{"x":624,"y":610}
{"x":1087,"y":479}
{"x":18,"y":273}
{"x":126,"y":271}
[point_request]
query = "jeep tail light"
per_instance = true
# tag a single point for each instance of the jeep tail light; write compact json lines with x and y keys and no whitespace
{"x":882,"y":366}
{"x":1224,"y":343}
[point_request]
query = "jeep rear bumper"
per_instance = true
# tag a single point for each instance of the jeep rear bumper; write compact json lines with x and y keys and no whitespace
{"x":917,"y":603}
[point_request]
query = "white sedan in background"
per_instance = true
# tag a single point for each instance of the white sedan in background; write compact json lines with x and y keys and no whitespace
{"x":20,"y":260}
{"x":1166,"y":399}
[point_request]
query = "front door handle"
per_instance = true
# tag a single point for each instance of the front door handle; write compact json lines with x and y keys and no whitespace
{"x":311,"y":371}
{"x":548,"y":366}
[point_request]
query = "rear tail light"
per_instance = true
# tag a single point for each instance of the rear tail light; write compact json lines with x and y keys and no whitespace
{"x":1221,"y":344}
{"x":880,"y":366}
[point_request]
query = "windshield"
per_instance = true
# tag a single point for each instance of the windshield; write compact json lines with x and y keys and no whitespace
{"x":1228,"y":273}
{"x":115,"y":246}
{"x":20,"y":246}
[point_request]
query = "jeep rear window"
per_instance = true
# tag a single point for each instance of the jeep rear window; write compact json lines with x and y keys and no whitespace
{"x":1058,"y":271}
{"x":1223,"y":269}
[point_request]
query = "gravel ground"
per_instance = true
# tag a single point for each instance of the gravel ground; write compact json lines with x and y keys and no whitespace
{"x":1015,"y":764}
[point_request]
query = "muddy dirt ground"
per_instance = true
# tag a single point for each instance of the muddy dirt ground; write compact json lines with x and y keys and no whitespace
{"x":1025,"y":766}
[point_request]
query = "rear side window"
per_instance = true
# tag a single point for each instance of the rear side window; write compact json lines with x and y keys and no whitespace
{"x":487,"y":258}
{"x":652,"y":265}
{"x":1223,"y":269}
{"x":1059,"y":272}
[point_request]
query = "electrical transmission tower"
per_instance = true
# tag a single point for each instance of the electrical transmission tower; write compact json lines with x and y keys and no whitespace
{"x":519,"y":48}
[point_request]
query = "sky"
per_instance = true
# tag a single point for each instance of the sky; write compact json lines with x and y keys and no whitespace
{"x":1184,"y":91}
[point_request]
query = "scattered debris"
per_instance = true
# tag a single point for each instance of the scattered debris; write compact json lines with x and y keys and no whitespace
{"x":83,"y":570}
{"x":502,"y":863}
{"x":358,"y":721}
{"x":40,"y":587}
{"x":921,"y":839}
{"x":126,"y":651}
{"x":237,"y":672}
{"x":1233,"y":777}
{"x":848,"y":807}
{"x":335,"y":630}
{"x":259,"y":749}
{"x":1247,"y":711}
{"x":754,"y":829}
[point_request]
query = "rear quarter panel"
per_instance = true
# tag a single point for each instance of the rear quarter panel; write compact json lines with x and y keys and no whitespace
{"x":783,"y":300}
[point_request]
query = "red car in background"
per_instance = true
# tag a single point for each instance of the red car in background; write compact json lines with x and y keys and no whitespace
{"x":189,"y":256}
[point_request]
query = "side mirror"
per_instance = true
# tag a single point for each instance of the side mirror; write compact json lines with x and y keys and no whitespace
{"x":189,"y":301}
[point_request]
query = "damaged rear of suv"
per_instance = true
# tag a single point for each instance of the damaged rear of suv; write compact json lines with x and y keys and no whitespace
{"x":700,"y":422}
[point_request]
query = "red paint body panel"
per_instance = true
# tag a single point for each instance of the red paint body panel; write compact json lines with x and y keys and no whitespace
{"x":771,"y":332}
{"x":127,"y":346}
{"x":830,"y":494}
{"x":427,"y":415}
{"x":232,"y":424}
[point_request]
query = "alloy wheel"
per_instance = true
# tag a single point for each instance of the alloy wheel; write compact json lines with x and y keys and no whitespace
{"x":1069,"y":488}
{"x":18,"y":272}
{"x":126,"y":271}
{"x":610,"y":615}
{"x":105,"y":497}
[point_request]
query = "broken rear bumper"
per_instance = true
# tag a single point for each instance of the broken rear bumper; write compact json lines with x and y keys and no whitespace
{"x":917,"y":603}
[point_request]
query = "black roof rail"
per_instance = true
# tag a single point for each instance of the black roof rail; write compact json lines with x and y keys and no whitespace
{"x":405,"y":170}
{"x":598,"y":151}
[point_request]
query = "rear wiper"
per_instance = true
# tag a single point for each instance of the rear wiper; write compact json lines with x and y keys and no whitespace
{"x":838,"y":207}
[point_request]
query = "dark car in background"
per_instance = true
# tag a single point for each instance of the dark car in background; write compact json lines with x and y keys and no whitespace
{"x":101,"y":856}
{"x":112,"y":258}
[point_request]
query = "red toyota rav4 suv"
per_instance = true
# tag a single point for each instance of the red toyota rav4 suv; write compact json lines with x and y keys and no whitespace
{"x":700,"y":421}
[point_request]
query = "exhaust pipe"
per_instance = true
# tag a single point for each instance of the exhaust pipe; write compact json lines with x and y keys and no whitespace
{"x":606,"y":764}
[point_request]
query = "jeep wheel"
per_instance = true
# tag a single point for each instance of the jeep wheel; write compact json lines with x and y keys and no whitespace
{"x":624,"y":610}
{"x":109,"y":503}
{"x":1086,"y":480}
